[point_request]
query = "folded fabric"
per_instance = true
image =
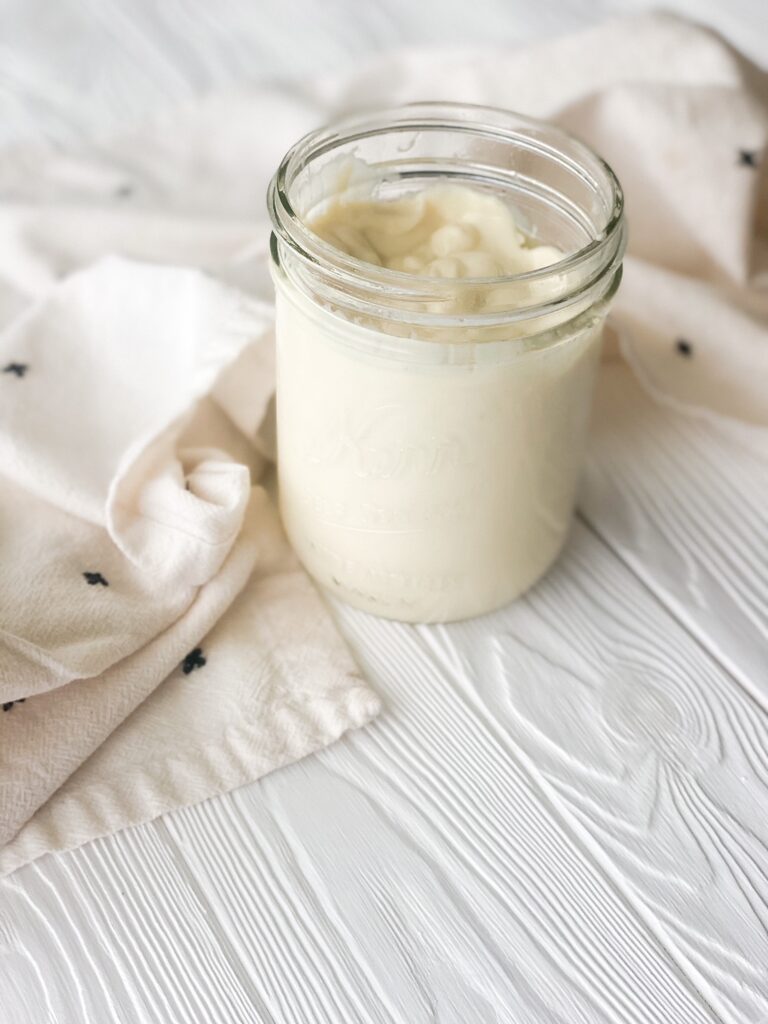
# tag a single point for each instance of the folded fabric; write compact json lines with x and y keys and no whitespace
{"x":136,"y":552}
{"x":109,"y":366}
{"x":126,"y":384}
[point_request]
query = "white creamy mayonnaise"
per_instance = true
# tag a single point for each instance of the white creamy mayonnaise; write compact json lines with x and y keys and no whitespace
{"x":415,"y":485}
{"x":446,"y":230}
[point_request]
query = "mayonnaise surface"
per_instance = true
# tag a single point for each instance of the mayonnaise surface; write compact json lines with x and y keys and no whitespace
{"x":445,"y":230}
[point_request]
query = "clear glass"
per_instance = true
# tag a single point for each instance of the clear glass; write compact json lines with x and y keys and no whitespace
{"x":431,"y":431}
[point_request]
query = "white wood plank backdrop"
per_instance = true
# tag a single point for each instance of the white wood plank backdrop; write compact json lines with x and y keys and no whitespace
{"x":562,"y":816}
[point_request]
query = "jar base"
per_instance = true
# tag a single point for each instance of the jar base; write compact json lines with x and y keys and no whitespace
{"x":421,"y":617}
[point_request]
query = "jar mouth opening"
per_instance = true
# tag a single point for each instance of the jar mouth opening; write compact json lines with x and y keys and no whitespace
{"x":582,"y":267}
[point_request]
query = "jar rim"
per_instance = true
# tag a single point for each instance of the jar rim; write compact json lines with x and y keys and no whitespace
{"x":589,"y":263}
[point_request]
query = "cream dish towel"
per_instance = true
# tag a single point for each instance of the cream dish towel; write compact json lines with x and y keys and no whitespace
{"x":158,"y":643}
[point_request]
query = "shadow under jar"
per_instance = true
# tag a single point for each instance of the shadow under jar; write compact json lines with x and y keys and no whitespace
{"x":430,"y":430}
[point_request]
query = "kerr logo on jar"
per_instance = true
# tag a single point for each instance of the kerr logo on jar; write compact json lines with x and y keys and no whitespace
{"x":379,"y":444}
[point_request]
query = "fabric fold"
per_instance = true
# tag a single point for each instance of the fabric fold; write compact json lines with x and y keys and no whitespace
{"x":136,"y":551}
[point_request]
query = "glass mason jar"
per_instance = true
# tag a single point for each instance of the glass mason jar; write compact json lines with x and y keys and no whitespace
{"x":430,"y":431}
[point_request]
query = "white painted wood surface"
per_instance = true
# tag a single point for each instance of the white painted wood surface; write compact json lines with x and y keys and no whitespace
{"x":562,"y":815}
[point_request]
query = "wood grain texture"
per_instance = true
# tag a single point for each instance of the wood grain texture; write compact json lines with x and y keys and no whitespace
{"x":419,"y":846}
{"x":115,"y":933}
{"x":684,"y":503}
{"x":650,"y":753}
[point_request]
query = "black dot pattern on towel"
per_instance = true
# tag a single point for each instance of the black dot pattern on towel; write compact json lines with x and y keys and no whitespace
{"x":19,"y":369}
{"x":94,"y":578}
{"x":684,"y":347}
{"x":8,"y":704}
{"x":192,"y":661}
{"x":749,"y":158}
